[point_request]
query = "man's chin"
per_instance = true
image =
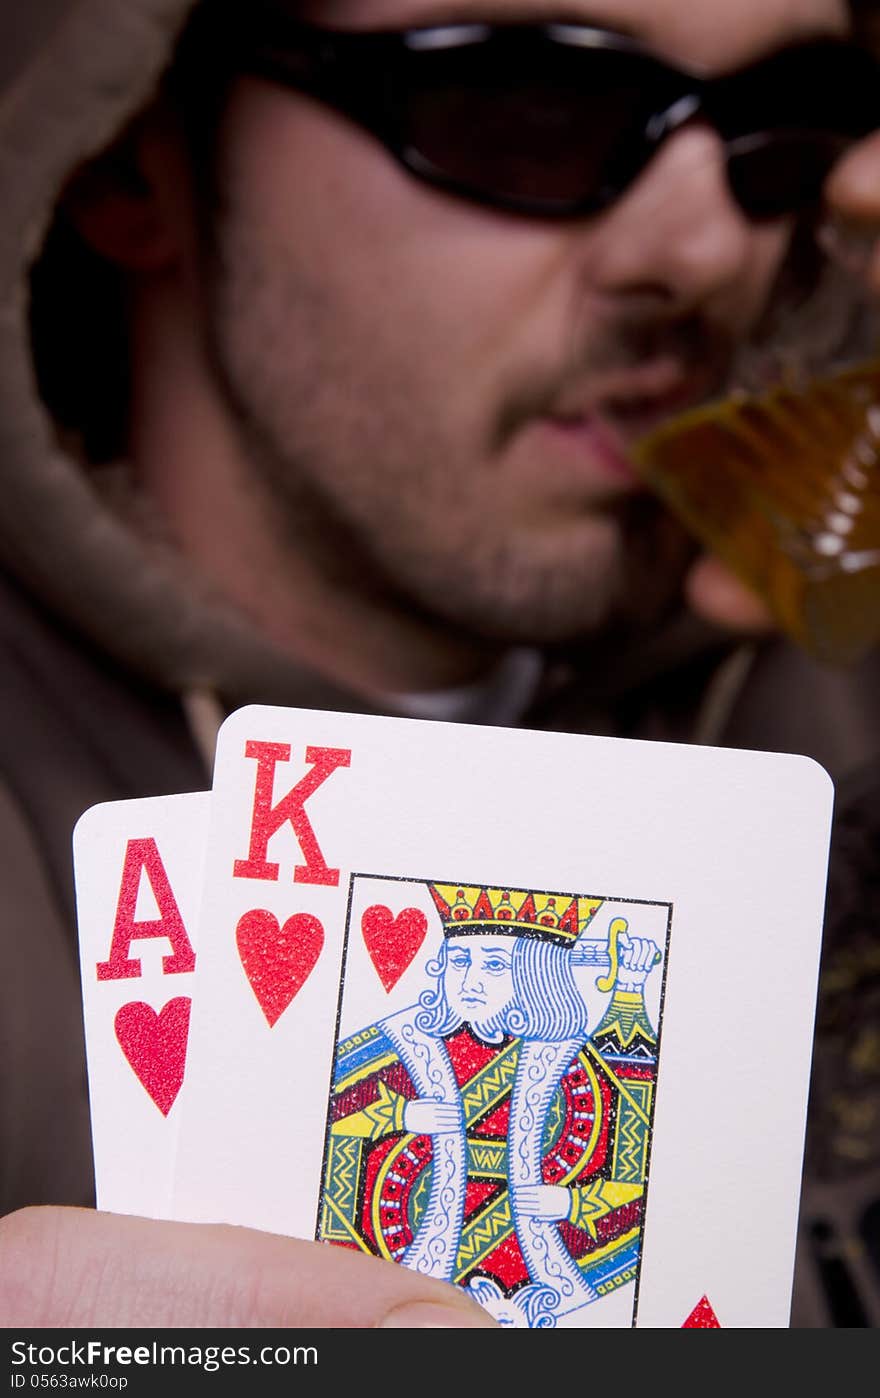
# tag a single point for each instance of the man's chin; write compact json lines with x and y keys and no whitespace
{"x":539,"y":587}
{"x":656,"y":553}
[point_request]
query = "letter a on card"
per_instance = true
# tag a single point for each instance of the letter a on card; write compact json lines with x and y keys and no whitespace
{"x":138,"y":867}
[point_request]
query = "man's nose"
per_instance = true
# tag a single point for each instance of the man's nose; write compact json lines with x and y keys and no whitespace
{"x":678,"y":231}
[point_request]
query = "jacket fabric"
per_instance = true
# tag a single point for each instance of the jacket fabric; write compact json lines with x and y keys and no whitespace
{"x":107,"y":641}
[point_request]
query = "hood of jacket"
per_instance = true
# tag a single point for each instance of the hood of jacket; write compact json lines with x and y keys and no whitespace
{"x":72,"y":73}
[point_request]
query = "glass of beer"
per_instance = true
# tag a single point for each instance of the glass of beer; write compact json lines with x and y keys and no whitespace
{"x":781,"y":478}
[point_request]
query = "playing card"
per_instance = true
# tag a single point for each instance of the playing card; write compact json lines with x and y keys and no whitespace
{"x":138,"y":868}
{"x":527,"y":1012}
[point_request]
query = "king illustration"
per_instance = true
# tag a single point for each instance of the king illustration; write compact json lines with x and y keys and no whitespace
{"x":487,"y":1135}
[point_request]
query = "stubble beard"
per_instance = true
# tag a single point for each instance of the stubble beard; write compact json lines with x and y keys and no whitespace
{"x":378,"y":495}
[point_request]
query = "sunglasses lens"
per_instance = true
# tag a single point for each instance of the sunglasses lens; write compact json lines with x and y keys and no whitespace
{"x":787,"y":120}
{"x":538,"y":127}
{"x":781,"y":172}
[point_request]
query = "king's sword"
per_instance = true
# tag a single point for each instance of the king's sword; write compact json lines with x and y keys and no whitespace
{"x":591,"y":951}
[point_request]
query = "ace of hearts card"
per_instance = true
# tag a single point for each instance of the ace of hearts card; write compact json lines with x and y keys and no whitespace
{"x":138,"y":867}
{"x":528,"y":1012}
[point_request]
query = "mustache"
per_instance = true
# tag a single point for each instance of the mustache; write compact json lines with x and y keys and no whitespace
{"x":635,"y":338}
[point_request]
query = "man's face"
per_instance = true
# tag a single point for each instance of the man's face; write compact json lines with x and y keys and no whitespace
{"x":438,"y":396}
{"x":479,"y":980}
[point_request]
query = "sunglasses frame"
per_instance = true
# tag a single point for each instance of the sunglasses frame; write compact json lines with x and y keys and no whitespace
{"x":362,"y":74}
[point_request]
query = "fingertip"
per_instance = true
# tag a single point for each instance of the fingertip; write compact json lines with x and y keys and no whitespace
{"x":853,"y":187}
{"x":717,"y":595}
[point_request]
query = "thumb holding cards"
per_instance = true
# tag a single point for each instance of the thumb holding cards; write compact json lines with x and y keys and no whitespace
{"x":76,"y":1268}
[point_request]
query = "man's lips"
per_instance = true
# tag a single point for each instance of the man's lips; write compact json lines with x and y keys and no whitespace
{"x":599,"y":442}
{"x":636,"y":400}
{"x":604,"y":421}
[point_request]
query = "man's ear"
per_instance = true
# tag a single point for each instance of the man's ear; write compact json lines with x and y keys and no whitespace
{"x":119,"y":202}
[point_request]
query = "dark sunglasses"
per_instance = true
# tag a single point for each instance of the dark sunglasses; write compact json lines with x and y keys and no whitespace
{"x":557,"y":120}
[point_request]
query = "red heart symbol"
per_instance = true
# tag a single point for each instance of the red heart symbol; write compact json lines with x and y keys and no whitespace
{"x":155,"y":1046}
{"x":278,"y":960}
{"x":393,"y":941}
{"x":702,"y":1317}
